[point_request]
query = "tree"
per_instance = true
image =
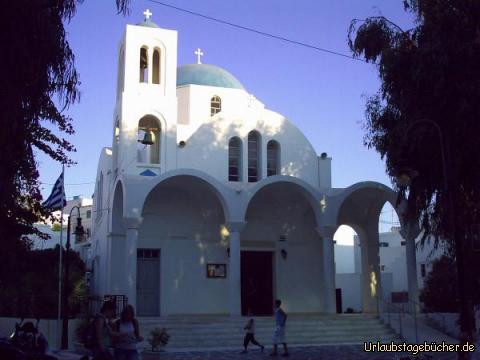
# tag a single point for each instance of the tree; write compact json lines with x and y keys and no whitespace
{"x":431,"y":72}
{"x":439,"y":293}
{"x":39,"y":82}
{"x":36,"y":291}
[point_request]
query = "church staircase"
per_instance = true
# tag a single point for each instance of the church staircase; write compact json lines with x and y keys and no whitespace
{"x":204,"y":332}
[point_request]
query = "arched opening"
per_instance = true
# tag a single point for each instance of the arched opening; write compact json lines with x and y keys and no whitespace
{"x":379,"y":255}
{"x":143,"y":65}
{"x":156,"y":66}
{"x":215,"y":105}
{"x":347,"y":270}
{"x":392,"y":252}
{"x":235,"y":159}
{"x":148,"y":128}
{"x":182,"y":222}
{"x":254,"y":156}
{"x":281,"y":229}
{"x":273,"y":158}
{"x":114,"y":271}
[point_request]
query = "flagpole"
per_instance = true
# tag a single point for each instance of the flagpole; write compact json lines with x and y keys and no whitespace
{"x":59,"y":318}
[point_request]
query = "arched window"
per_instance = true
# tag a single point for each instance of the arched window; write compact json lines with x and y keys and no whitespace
{"x":156,"y":67}
{"x":235,"y":159}
{"x":143,"y":65}
{"x":215,"y":105}
{"x":254,"y":156}
{"x":148,"y":129}
{"x":99,"y":196}
{"x":273,"y":158}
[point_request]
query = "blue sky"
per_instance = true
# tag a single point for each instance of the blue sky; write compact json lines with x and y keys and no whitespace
{"x":321,"y":93}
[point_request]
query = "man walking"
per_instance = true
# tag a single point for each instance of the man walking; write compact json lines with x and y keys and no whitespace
{"x":279,"y":333}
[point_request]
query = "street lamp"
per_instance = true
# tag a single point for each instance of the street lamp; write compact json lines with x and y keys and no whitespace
{"x":404,"y":175}
{"x":79,"y":234}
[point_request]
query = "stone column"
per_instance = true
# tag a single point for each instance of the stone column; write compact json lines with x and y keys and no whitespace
{"x":326,"y":233}
{"x":132,"y":225}
{"x":234,"y":271}
{"x":410,"y":232}
{"x":371,"y":281}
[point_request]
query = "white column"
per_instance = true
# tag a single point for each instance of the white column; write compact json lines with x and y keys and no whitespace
{"x":130,"y":270}
{"x":371,"y":281}
{"x":409,"y":232}
{"x":326,"y":233}
{"x":234,"y":271}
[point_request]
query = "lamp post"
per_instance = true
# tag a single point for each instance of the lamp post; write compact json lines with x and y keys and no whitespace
{"x":404,"y":176}
{"x":79,"y":233}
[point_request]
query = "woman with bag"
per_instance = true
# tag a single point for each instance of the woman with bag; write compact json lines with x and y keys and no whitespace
{"x":127,"y":327}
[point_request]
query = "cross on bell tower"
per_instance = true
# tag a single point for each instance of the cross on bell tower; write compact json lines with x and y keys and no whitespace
{"x":199,"y":54}
{"x":147,"y":14}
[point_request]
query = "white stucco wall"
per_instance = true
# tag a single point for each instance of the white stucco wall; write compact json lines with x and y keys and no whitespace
{"x":344,"y":259}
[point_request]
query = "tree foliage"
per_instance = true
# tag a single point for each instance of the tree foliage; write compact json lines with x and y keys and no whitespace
{"x":39,"y":83}
{"x":428,"y":72}
{"x":428,"y":101}
{"x":439,"y":293}
{"x":36,"y":284}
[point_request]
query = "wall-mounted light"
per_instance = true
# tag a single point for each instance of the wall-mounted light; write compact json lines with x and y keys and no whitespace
{"x":181,"y":144}
{"x":284,"y":254}
{"x":324,"y":155}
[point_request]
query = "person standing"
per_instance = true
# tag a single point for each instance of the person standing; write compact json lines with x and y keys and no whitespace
{"x":129,"y":334}
{"x":250,"y":336}
{"x":103,"y":331}
{"x":279,"y":333}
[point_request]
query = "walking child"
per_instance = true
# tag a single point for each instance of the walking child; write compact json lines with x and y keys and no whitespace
{"x":250,"y":335}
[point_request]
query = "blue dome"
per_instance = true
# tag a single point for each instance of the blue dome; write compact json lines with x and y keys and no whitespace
{"x":208,"y":75}
{"x":148,"y":23}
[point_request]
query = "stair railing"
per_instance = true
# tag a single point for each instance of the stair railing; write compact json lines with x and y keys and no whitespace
{"x":386,"y":311}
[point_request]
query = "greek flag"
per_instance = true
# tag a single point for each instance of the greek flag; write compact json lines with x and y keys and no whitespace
{"x":56,"y":200}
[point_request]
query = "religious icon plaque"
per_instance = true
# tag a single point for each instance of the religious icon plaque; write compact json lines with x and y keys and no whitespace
{"x":216,"y":270}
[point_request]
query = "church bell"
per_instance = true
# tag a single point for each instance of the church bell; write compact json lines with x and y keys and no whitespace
{"x":147,"y":138}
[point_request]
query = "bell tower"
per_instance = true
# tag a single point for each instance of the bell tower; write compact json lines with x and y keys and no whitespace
{"x":146,"y":106}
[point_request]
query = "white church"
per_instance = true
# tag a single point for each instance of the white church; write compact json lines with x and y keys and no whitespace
{"x":208,"y":202}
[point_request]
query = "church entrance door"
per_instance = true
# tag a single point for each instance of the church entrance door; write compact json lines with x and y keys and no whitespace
{"x":257,"y":283}
{"x":148,"y":282}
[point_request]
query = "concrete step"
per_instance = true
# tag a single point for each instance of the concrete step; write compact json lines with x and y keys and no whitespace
{"x":303,"y":329}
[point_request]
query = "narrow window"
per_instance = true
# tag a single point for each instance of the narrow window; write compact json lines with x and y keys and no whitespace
{"x":89,"y":214}
{"x":253,"y":156}
{"x":156,"y":67}
{"x":143,"y":65}
{"x":273,"y":158}
{"x":117,"y":132}
{"x":234,"y":159}
{"x":121,"y":74}
{"x":99,"y":196}
{"x":215,"y":105}
{"x":148,"y":149}
{"x":423,"y":270}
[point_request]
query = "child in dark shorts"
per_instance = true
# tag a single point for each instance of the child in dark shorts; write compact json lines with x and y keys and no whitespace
{"x":250,"y":335}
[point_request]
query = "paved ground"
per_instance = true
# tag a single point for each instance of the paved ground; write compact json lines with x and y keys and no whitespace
{"x":347,"y":352}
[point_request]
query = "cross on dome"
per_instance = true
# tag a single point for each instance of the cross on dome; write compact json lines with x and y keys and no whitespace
{"x":199,"y":53}
{"x":147,"y":14}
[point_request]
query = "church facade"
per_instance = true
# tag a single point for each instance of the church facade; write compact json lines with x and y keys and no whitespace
{"x":209,"y":203}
